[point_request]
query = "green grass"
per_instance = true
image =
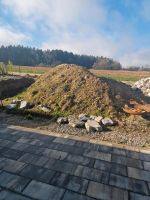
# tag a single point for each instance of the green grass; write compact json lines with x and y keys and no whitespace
{"x":28,"y":71}
{"x":121,"y":77}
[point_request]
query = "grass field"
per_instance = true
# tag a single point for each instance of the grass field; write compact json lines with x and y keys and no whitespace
{"x":29,"y":70}
{"x":119,"y":75}
{"x":122,"y":75}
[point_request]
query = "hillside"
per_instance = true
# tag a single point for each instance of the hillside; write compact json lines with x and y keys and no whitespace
{"x":69,"y":89}
{"x":26,"y":56}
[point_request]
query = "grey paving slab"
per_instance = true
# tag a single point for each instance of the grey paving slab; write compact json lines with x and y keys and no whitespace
{"x":6,"y":143}
{"x":118,"y":151}
{"x":68,"y":148}
{"x":135,"y":196}
{"x":76,"y":184}
{"x":92,"y":174}
{"x":139,"y":174}
{"x":55,"y":154}
{"x":105,"y":192}
{"x":64,"y":141}
{"x":145,"y":156}
{"x":74,"y":196}
{"x":132,"y":154}
{"x":42,"y":191}
{"x":98,"y":155}
{"x":126,"y":183}
{"x":13,"y":182}
{"x":111,"y":167}
{"x":37,"y":173}
{"x":146,"y":165}
{"x":64,"y":167}
{"x":10,"y":153}
{"x":60,"y":179}
{"x":19,"y":146}
{"x":105,"y":148}
{"x":7,"y":195}
{"x":13,"y":166}
{"x":80,"y":160}
{"x":33,"y":149}
{"x":33,"y":159}
{"x":127,"y":161}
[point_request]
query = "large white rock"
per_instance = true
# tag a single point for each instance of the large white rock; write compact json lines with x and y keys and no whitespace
{"x":98,"y":119}
{"x":92,"y":117}
{"x":23,"y":104}
{"x":83,"y":117}
{"x":62,"y":120}
{"x":107,"y":122}
{"x":92,"y":125}
{"x":76,"y":123}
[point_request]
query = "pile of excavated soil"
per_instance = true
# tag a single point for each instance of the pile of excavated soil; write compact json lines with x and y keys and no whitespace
{"x":70,"y":89}
{"x":12,"y":85}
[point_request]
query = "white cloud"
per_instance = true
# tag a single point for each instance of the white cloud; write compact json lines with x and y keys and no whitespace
{"x":81,"y":26}
{"x":137,"y":58}
{"x":56,"y":13}
{"x":9,"y":36}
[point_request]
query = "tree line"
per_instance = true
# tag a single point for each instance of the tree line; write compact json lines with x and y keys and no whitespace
{"x":27,"y":56}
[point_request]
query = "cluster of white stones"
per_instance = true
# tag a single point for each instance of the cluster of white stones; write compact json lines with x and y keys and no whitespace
{"x":143,"y":85}
{"x":91,"y":123}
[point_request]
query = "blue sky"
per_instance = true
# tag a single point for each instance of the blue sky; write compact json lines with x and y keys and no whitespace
{"x":113,"y":28}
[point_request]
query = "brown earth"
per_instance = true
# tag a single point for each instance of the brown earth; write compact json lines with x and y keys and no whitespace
{"x":12,"y":85}
{"x":69,"y":89}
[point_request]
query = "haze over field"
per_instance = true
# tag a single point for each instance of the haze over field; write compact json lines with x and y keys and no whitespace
{"x":113,"y":28}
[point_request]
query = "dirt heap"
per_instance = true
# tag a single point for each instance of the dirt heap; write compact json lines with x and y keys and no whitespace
{"x":70,"y":89}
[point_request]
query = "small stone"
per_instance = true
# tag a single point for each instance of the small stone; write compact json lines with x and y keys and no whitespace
{"x":99,"y":119}
{"x":23,"y":104}
{"x":77,"y":123}
{"x":62,"y":120}
{"x":16,"y":101}
{"x":92,"y":125}
{"x":92,"y":117}
{"x":107,"y":122}
{"x":11,"y":106}
{"x":83,"y":117}
{"x":71,"y":118}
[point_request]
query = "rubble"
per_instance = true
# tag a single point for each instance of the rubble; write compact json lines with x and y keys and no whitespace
{"x":143,"y":85}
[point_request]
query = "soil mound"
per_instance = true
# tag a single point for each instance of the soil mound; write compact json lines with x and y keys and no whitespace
{"x":70,"y":89}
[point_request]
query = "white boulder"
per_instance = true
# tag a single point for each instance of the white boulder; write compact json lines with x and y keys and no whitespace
{"x":62,"y":120}
{"x":99,"y":119}
{"x":76,"y":123}
{"x":107,"y":122}
{"x":23,"y":104}
{"x":83,"y":117}
{"x":92,"y":125}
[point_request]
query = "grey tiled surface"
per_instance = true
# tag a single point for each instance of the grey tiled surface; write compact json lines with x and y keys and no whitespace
{"x":44,"y":167}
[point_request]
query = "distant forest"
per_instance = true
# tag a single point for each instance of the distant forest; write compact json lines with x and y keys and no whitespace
{"x":27,"y":56}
